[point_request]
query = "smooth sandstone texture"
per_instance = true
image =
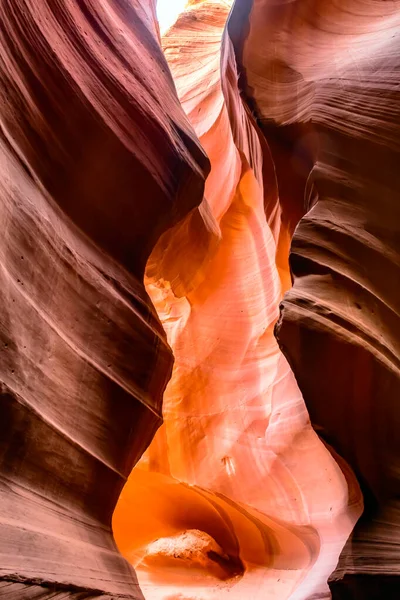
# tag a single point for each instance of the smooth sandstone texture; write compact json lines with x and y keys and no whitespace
{"x":322,"y":78}
{"x":236,"y":466}
{"x":97,"y":159}
{"x":101,"y":179}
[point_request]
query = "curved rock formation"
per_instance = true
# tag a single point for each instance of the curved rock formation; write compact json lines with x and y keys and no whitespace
{"x":97,"y":159}
{"x":236,"y":460}
{"x":323,"y":79}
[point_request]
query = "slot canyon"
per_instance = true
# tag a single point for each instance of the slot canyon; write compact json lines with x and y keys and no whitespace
{"x":200,"y":300}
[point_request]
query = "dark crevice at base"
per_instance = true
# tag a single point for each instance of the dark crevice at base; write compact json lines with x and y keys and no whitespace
{"x":366,"y":587}
{"x":232,"y":565}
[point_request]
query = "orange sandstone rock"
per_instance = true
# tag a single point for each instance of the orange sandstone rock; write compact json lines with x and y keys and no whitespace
{"x":237,"y":457}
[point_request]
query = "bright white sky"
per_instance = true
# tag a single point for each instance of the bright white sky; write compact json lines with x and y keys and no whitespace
{"x":168,"y":11}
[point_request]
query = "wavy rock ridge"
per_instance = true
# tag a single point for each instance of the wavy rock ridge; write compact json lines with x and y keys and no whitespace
{"x":322,"y":78}
{"x":96,"y":155}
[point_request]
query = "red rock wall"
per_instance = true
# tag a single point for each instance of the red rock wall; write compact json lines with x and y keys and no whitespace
{"x":97,"y":159}
{"x":322,"y":78}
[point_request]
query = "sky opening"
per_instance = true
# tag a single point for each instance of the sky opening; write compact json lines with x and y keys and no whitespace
{"x":168,"y":12}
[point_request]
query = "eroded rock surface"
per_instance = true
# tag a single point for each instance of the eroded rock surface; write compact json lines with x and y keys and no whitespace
{"x":323,"y":80}
{"x":96,"y":160}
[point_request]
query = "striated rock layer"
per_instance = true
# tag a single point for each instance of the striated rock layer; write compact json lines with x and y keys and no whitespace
{"x":243,"y":499}
{"x":323,"y":79}
{"x":97,"y":159}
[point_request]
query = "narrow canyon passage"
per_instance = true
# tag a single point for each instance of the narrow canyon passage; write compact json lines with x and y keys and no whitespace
{"x":236,"y":495}
{"x":199,"y":300}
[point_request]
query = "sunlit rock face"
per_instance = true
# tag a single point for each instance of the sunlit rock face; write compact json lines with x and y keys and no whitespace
{"x":236,"y":464}
{"x":96,"y":160}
